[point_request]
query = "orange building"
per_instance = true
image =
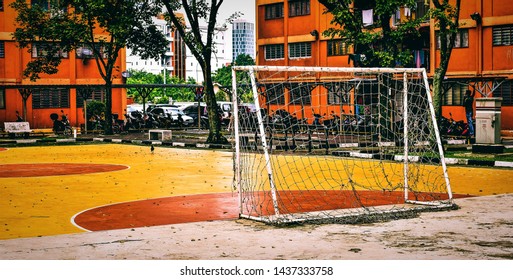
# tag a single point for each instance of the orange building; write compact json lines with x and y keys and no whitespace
{"x":58,"y":91}
{"x":290,"y":33}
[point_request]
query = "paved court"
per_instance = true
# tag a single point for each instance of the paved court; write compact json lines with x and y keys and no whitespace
{"x":199,"y":183}
{"x":45,"y":205}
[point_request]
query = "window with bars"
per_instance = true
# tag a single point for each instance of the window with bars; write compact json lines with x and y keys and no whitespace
{"x":42,"y":49}
{"x":86,"y":51}
{"x":337,"y":93}
{"x":2,"y":98}
{"x":50,"y":98}
{"x":300,"y":94}
{"x":461,"y":40}
{"x":297,"y":50}
{"x":502,"y":35}
{"x":337,"y":47}
{"x":275,"y":94}
{"x":97,"y":94}
{"x":274,"y":51}
{"x":505,"y":90}
{"x":421,"y":9}
{"x":274,"y":11}
{"x":455,"y":94}
{"x":299,"y":7}
{"x":2,"y":49}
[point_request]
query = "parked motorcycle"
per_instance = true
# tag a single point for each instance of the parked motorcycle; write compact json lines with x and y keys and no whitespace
{"x":332,"y":123}
{"x":452,"y":127}
{"x":61,"y":126}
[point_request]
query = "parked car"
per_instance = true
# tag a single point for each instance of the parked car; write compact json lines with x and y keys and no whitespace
{"x":174,"y":113}
{"x":192,"y":111}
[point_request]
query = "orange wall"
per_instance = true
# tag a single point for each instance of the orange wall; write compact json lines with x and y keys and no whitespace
{"x":479,"y":59}
{"x":71,"y":71}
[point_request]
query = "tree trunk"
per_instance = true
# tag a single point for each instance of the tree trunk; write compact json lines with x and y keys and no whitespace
{"x":214,"y":135}
{"x":108,"y":108}
{"x":438,"y":91}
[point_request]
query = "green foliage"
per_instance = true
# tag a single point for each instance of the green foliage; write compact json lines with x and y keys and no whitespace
{"x":381,"y":44}
{"x":223,"y":76}
{"x":73,"y":24}
{"x":446,"y":16}
{"x":200,"y":44}
{"x":160,"y":95}
{"x":221,"y":96}
{"x":95,"y":108}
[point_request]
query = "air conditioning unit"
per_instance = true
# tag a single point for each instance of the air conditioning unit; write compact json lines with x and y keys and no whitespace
{"x":86,"y":53}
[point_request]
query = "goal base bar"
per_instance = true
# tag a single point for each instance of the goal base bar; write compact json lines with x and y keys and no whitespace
{"x":354,"y":216}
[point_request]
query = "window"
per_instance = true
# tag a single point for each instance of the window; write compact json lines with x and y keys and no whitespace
{"x":47,"y":4}
{"x":86,"y":51}
{"x":274,"y":94}
{"x":2,"y":49}
{"x":42,"y":49}
{"x":337,"y":47}
{"x":274,"y":51}
{"x":299,"y":7}
{"x":273,"y":11}
{"x":2,"y":98}
{"x":502,"y":35}
{"x":461,"y":40}
{"x":297,"y":50}
{"x":300,"y":94}
{"x":505,"y":90}
{"x":421,"y":9}
{"x":50,"y":98}
{"x":97,"y":94}
{"x":338,"y":93}
{"x":1,"y":5}
{"x":454,"y":96}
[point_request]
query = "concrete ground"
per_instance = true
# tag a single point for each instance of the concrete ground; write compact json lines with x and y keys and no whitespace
{"x":480,"y":230}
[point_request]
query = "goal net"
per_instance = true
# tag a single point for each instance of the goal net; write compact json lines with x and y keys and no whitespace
{"x":336,"y":144}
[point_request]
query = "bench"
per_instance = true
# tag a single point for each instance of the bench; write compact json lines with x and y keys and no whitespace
{"x":14,"y":128}
{"x":159,"y":134}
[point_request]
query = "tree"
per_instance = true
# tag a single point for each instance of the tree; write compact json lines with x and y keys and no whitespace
{"x":201,"y":45}
{"x":385,"y":46}
{"x":223,"y":76}
{"x":375,"y":42}
{"x":446,"y":18}
{"x":103,"y":28}
{"x":160,"y":95}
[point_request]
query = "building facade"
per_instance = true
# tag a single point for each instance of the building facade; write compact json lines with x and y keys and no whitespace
{"x":173,"y":60}
{"x":220,"y":56}
{"x":290,"y":33}
{"x":56,"y":92}
{"x":243,"y":38}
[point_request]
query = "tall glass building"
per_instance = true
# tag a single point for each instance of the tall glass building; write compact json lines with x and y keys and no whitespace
{"x":243,"y":36}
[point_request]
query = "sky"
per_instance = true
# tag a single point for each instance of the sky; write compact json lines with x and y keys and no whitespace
{"x":231,"y":6}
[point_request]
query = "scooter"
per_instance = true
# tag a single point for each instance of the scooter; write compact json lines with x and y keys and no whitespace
{"x":61,"y":126}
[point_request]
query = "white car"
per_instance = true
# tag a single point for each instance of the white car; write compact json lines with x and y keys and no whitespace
{"x":174,"y":113}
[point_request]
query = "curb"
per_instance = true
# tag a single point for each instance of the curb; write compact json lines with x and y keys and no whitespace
{"x":121,"y":141}
{"x":397,"y":158}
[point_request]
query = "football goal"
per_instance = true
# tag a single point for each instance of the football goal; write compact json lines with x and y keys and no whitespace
{"x":336,"y":144}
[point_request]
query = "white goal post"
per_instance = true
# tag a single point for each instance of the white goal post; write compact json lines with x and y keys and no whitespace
{"x":322,"y":144}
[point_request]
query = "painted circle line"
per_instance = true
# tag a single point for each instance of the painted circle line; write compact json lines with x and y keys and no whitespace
{"x":55,"y":169}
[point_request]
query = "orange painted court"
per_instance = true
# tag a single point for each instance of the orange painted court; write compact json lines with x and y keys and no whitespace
{"x":55,"y":190}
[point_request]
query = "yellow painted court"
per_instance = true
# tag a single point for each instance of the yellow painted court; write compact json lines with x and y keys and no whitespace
{"x":45,"y":205}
